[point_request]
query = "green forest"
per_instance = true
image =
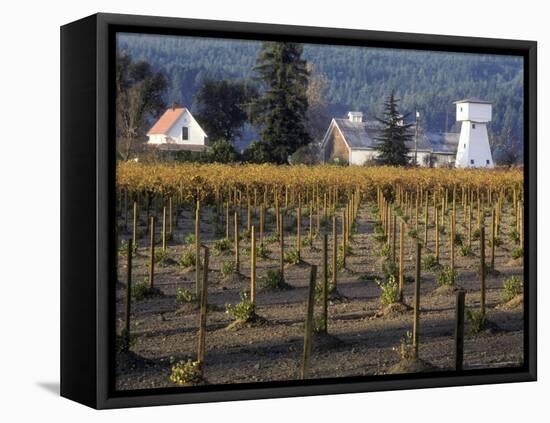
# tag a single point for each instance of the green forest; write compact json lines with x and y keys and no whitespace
{"x":357,"y":78}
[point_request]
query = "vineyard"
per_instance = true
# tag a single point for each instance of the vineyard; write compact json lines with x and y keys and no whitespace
{"x":246,"y":273}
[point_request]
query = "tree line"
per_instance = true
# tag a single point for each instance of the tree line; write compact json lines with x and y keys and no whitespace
{"x":326,"y":81}
{"x":276,"y":102}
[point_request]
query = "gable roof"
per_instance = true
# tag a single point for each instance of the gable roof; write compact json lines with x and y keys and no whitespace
{"x":166,"y":121}
{"x":363,"y":136}
{"x":358,"y":135}
{"x":473,"y":100}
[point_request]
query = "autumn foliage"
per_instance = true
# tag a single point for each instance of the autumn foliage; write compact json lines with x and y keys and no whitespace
{"x":187,"y":179}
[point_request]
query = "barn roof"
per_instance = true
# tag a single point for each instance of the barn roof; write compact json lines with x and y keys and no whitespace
{"x":166,"y":121}
{"x":362,"y":136}
{"x":358,"y":135}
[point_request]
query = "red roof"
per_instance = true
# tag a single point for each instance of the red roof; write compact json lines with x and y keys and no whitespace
{"x":166,"y":121}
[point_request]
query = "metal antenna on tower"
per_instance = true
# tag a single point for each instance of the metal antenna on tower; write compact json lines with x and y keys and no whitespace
{"x":416,"y":138}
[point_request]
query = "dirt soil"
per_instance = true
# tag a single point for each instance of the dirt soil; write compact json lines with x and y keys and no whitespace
{"x":363,"y":340}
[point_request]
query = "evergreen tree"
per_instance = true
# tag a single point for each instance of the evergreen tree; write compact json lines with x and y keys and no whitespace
{"x":391,"y":146}
{"x":281,"y":110}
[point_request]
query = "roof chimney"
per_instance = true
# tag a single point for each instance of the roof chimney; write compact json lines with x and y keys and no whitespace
{"x":174,"y":105}
{"x":355,"y":116}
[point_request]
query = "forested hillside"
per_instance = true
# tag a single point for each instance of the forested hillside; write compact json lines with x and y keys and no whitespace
{"x":357,"y":78}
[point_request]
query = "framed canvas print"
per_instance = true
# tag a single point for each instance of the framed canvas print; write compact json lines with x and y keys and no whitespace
{"x":255,"y":211}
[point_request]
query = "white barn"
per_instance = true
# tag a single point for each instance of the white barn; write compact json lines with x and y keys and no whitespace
{"x":176,"y":130}
{"x":354,"y":141}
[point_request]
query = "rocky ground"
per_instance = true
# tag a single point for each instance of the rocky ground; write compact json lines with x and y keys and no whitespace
{"x":364,"y":340}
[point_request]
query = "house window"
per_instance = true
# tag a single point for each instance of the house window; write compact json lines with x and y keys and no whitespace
{"x":472,"y":161}
{"x":473,"y":126}
{"x":464,"y":145}
{"x":461,"y":109}
{"x":488,"y":161}
{"x":185,"y":133}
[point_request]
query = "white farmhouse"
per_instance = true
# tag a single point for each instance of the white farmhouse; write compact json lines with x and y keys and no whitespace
{"x":473,"y":147}
{"x":176,"y":130}
{"x":354,"y":142}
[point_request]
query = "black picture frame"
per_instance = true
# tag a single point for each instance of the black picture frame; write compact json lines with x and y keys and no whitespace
{"x":87,"y":191}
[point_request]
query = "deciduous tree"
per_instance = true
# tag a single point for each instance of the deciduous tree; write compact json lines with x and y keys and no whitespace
{"x":223,"y":108}
{"x":139,"y":92}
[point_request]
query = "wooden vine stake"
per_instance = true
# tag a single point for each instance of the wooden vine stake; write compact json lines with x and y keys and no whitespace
{"x":349,"y":221}
{"x":299,"y":230}
{"x":277,"y":215}
{"x":394,"y":239}
{"x":134,"y":225}
{"x":521,"y":229}
{"x":388,"y":225}
{"x":236,"y":241}
{"x":282,"y":243}
{"x":493,"y":233}
{"x":344,"y":239}
{"x":152,"y":253}
{"x":452,"y":246}
{"x":470,"y":226}
{"x":125,"y":210}
{"x":401,"y":259}
{"x":459,"y":330}
{"x":309,"y":322}
{"x":426,"y":210}
{"x":262,"y":222}
{"x":164,"y":229}
{"x":325,"y":206}
{"x":198,"y":248}
{"x":325,"y":283}
{"x":437,"y":235}
{"x":482,"y":266}
{"x":128,"y":297}
{"x":252,"y":265}
{"x":417,"y":299}
{"x":310,"y":234}
{"x":416,"y":213}
{"x":318,"y":215}
{"x":478,"y":209}
{"x":227,"y":222}
{"x":170,"y":218}
{"x":334,"y":253}
{"x":204,"y":303}
{"x":248,"y":215}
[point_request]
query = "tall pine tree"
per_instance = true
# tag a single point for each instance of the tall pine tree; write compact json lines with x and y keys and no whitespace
{"x":391,"y":147}
{"x":281,"y":110}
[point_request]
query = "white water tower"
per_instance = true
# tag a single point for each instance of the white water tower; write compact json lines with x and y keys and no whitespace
{"x":473,"y":146}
